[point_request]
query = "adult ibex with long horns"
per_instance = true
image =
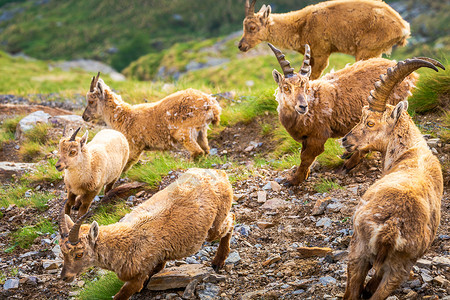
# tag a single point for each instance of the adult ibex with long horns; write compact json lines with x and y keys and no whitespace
{"x":398,"y":216}
{"x":172,"y":224}
{"x":314,"y":111}
{"x":362,"y":28}
{"x":181,"y":118}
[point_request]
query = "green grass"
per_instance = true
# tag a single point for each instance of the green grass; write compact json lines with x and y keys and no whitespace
{"x":432,"y":91}
{"x":102,"y":289}
{"x":25,"y":236}
{"x":44,"y":172}
{"x":326,"y":185}
{"x":15,"y":194}
{"x":110,"y":213}
{"x":38,"y":134}
{"x":8,"y":129}
{"x":445,"y":131}
{"x":161,"y":163}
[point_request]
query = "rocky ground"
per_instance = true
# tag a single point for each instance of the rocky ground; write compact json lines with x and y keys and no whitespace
{"x":271,"y":255}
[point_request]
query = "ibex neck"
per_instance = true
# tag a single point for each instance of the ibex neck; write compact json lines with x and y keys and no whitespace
{"x":82,"y":170}
{"x":115,"y":110}
{"x":285,"y":30}
{"x":404,"y":137}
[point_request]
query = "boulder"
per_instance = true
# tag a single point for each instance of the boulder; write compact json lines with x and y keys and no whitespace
{"x":177,"y":277}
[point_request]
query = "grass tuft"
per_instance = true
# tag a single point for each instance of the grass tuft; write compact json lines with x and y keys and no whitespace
{"x":102,"y":289}
{"x":110,"y":213}
{"x":326,"y":185}
{"x":45,"y":172}
{"x":25,"y":236}
{"x":16,"y":195}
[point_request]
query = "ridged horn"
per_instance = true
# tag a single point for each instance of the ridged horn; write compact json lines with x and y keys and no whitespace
{"x":72,"y":138}
{"x":285,"y":64}
{"x":64,"y":131}
{"x":74,"y":234}
{"x":383,"y":87}
{"x":250,"y":8}
{"x":63,"y":229}
{"x":306,"y":68}
{"x":94,"y":82}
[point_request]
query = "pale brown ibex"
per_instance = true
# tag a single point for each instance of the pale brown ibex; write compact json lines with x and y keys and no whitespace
{"x":362,"y":28}
{"x":398,"y":216}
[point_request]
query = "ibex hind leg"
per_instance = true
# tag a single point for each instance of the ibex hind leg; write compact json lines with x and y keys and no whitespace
{"x":202,"y":139}
{"x":226,"y":231}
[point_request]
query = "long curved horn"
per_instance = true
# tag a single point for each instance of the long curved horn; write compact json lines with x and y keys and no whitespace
{"x":285,"y":64}
{"x":63,"y":229}
{"x":72,"y":138}
{"x":250,"y":8}
{"x":306,"y":68}
{"x":383,"y":87}
{"x":74,"y":234}
{"x":433,"y":61}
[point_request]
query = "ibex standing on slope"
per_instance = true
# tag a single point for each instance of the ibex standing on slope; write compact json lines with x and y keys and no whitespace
{"x":398,"y":216}
{"x":362,"y":28}
{"x":314,"y":111}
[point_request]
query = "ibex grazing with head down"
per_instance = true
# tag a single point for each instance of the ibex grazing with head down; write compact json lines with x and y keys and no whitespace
{"x":362,"y":28}
{"x":398,"y":216}
{"x":180,"y":118}
{"x":89,"y":167}
{"x":314,"y":111}
{"x":172,"y":224}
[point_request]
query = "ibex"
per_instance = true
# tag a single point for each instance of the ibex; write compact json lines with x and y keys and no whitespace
{"x":362,"y":28}
{"x":172,"y":224}
{"x":89,"y":167}
{"x":398,"y":216}
{"x":180,"y":118}
{"x":314,"y":111}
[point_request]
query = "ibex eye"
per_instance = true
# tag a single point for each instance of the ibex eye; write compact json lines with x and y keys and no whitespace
{"x":286,"y":89}
{"x":252,"y":28}
{"x":370,"y":124}
{"x":79,"y":255}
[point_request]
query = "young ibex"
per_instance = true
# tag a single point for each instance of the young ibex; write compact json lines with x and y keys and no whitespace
{"x":398,"y":216}
{"x":89,"y":167}
{"x":180,"y":118}
{"x":172,"y":224}
{"x":362,"y":28}
{"x":314,"y":111}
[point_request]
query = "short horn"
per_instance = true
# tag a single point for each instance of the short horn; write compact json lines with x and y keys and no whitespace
{"x":64,"y":131}
{"x":306,"y":68}
{"x":383,"y":87}
{"x":285,"y":64}
{"x":94,"y":82}
{"x":250,"y":8}
{"x":74,"y":234}
{"x":63,"y":228}
{"x":72,"y":138}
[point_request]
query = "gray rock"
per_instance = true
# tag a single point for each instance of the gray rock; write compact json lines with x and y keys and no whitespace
{"x":334,"y":207}
{"x":191,"y":260}
{"x":48,"y":264}
{"x":274,"y":203}
{"x":327,"y":280}
{"x":423,"y":263}
{"x":233,"y":258}
{"x":392,"y":298}
{"x":339,"y":255}
{"x":189,"y":292}
{"x":215,"y":278}
{"x":426,"y":277}
{"x":11,"y":283}
{"x":262,"y":196}
{"x":90,"y":65}
{"x":433,"y":143}
{"x":177,"y":277}
{"x":171,"y":296}
{"x":320,"y":205}
{"x":324,"y":222}
{"x":242,"y":229}
{"x":65,"y":119}
{"x":441,"y":262}
{"x":56,"y":250}
{"x":30,"y":121}
{"x":210,"y":292}
{"x":213,"y":151}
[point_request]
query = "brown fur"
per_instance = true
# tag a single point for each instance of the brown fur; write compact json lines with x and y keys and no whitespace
{"x":362,"y":28}
{"x":180,"y":118}
{"x":398,"y":216}
{"x":172,"y":224}
{"x":94,"y":165}
{"x":333,"y":106}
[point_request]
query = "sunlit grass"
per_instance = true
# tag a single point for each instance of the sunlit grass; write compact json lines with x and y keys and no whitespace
{"x":25,"y":236}
{"x":110,"y":213}
{"x":15,"y":194}
{"x":103,"y":288}
{"x":45,"y":171}
{"x":326,"y":185}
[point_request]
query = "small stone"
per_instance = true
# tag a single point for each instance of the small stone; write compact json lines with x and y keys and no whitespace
{"x":426,"y":278}
{"x":191,"y":260}
{"x":301,"y":284}
{"x":324,"y":222}
{"x":48,"y":264}
{"x":233,"y":258}
{"x":177,"y":277}
{"x":339,"y":255}
{"x":80,"y":283}
{"x":264,"y":225}
{"x":272,"y":259}
{"x":189,"y":292}
{"x":56,"y":250}
{"x":273,"y":204}
{"x":411,"y":295}
{"x":131,"y":199}
{"x":423,"y":263}
{"x":11,"y":283}
{"x":249,"y":148}
{"x":441,"y":262}
{"x":242,"y":229}
{"x":74,"y":293}
{"x":276,"y":187}
{"x":441,"y":281}
{"x":327,"y":280}
{"x":210,"y":292}
{"x":262,"y":196}
{"x":238,"y":197}
{"x":171,"y":296}
{"x":306,"y":252}
{"x":213,"y":151}
{"x":334,"y":207}
{"x":392,"y":298}
{"x":28,"y":194}
{"x":215,"y":278}
{"x":319,"y":207}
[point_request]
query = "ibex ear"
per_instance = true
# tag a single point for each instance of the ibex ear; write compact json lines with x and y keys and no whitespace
{"x":93,"y":233}
{"x":69,"y":222}
{"x":84,"y":138}
{"x":399,"y":108}
{"x":277,"y":76}
{"x":100,"y":90}
{"x":266,"y":10}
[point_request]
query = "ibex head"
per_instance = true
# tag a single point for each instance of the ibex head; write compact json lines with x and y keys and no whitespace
{"x":70,"y":148}
{"x":255,"y":26}
{"x":93,"y":97}
{"x":378,"y":119}
{"x":292,"y":86}
{"x":77,"y":245}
